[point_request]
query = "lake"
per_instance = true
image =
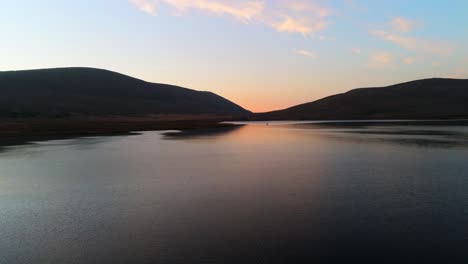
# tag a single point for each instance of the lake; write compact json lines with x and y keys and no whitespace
{"x":258,"y":193}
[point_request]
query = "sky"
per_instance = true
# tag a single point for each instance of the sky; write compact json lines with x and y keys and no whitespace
{"x":262,"y":54}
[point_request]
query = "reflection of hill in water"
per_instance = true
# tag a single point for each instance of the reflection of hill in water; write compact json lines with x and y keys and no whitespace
{"x":35,"y":148}
{"x":417,"y":133}
{"x":201,"y":133}
{"x":250,"y":194}
{"x":443,"y":142}
{"x":422,"y":136}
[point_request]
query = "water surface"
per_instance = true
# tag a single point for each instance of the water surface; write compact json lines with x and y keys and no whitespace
{"x":297,"y":193}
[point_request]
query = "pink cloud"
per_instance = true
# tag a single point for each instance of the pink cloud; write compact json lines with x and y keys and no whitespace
{"x":412,"y":43}
{"x":295,"y":16}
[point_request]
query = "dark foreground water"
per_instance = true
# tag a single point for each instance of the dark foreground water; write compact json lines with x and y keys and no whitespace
{"x":253,"y":194}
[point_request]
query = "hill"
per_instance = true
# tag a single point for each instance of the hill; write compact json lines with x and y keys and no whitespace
{"x":66,"y":92}
{"x":421,"y":99}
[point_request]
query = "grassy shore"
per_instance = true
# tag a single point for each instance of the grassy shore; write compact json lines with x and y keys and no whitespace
{"x":14,"y":131}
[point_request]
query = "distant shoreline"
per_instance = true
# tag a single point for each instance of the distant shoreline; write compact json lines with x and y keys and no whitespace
{"x":18,"y":131}
{"x":436,"y":122}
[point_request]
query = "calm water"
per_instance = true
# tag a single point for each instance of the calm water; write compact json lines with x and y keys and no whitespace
{"x":302,"y":193}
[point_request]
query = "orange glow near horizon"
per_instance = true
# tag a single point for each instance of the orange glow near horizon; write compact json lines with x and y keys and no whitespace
{"x":264,"y":106}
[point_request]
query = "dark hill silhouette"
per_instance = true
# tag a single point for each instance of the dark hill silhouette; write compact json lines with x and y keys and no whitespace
{"x":422,"y":99}
{"x":87,"y":91}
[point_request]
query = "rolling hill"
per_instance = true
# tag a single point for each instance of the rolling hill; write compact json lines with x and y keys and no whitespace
{"x":65,"y":92}
{"x":421,"y":99}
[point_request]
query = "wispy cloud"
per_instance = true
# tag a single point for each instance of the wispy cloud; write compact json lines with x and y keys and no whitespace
{"x":299,"y":25}
{"x":243,"y":10}
{"x":409,"y":60}
{"x":307,"y":6}
{"x":147,"y":6}
{"x":297,"y":16}
{"x":429,"y":46}
{"x":306,"y":53}
{"x":292,"y":16}
{"x":403,"y":25}
{"x":380,"y":59}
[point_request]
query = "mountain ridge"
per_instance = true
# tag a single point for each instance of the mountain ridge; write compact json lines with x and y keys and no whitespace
{"x":439,"y":98}
{"x":92,"y":91}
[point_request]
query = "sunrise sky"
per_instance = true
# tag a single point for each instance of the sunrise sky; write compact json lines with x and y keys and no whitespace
{"x":262,"y":54}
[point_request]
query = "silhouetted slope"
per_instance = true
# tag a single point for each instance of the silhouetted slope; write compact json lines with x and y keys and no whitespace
{"x":87,"y":91}
{"x":422,"y":99}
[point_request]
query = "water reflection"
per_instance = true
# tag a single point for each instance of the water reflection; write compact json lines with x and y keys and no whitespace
{"x":249,"y":194}
{"x":201,"y":133}
{"x":420,"y":134}
{"x":416,"y":142}
{"x":33,"y":148}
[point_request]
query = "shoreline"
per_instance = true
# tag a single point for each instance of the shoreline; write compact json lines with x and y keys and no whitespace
{"x":19,"y":131}
{"x":25,"y":130}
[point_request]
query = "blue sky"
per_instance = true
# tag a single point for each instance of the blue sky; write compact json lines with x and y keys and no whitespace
{"x":263,"y":54}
